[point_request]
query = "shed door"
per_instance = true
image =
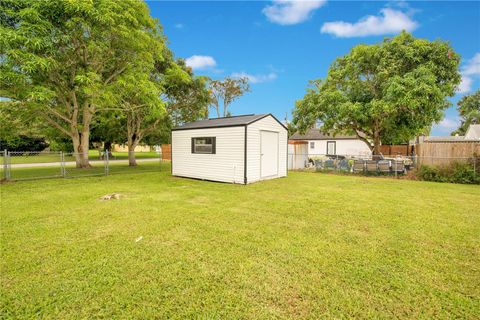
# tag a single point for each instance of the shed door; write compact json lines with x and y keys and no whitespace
{"x":268,"y":154}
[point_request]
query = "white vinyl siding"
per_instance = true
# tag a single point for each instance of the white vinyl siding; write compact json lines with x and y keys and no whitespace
{"x":343,"y":147}
{"x":253,"y":147}
{"x":225,"y":165}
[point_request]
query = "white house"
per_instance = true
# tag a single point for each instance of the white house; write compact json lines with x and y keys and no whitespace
{"x":239,"y":149}
{"x":320,"y":144}
{"x":473,"y":132}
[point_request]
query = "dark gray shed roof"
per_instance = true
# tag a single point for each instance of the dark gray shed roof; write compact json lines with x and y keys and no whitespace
{"x":232,"y":121}
{"x":315,"y":134}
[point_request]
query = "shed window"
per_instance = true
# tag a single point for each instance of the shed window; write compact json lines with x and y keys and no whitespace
{"x":203,"y":145}
{"x":312,"y":144}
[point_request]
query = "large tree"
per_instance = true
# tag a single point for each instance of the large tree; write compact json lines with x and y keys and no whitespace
{"x":392,"y":90}
{"x":147,"y":103}
{"x":59,"y":59}
{"x":224,"y":92}
{"x":187,"y":98}
{"x":469,"y":110}
{"x":143,"y":110}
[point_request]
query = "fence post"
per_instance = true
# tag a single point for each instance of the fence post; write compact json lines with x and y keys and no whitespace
{"x":474,"y":167}
{"x":62,"y":164}
{"x":106,"y":162}
{"x":5,"y":164}
{"x":395,"y":160}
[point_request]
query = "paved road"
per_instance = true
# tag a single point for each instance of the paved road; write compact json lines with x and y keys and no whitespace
{"x":72,"y":163}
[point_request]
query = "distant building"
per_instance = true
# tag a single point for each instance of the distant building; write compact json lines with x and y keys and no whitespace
{"x":473,"y":132}
{"x":323,"y":144}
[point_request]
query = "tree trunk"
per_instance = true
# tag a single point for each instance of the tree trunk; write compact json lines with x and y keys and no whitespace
{"x":132,"y":144}
{"x":81,"y":140}
{"x":376,"y":144}
{"x":80,"y":152}
{"x":83,"y":150}
{"x":76,"y":146}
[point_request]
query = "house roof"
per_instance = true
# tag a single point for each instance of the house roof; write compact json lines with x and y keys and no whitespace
{"x":232,"y":121}
{"x":473,"y":132}
{"x":315,"y":134}
{"x":444,"y":138}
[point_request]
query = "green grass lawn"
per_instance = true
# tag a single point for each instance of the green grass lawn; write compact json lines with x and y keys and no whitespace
{"x":96,"y":169}
{"x":307,"y":246}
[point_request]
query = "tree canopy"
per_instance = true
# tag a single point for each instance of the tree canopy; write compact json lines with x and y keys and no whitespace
{"x":224,"y":92}
{"x":146,"y":105}
{"x":469,"y":110}
{"x":187,"y":97}
{"x":62,"y":60}
{"x":392,"y":90}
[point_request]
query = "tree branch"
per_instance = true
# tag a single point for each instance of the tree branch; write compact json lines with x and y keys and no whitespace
{"x":113,"y":75}
{"x":58,"y":126}
{"x":357,"y":133}
{"x":59,"y":115}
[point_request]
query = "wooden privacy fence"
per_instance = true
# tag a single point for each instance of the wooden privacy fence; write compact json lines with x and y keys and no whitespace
{"x":441,"y":153}
{"x":397,"y":149}
{"x":166,"y":152}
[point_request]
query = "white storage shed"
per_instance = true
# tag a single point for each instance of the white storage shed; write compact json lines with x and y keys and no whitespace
{"x":238,"y":149}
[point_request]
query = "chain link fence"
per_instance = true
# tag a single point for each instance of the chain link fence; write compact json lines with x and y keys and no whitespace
{"x":395,"y":165}
{"x":27,"y":165}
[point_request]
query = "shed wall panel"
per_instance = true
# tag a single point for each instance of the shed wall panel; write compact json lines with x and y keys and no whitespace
{"x":253,"y":147}
{"x":226,"y":165}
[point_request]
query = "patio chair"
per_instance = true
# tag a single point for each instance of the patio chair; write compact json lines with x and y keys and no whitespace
{"x":398,"y":166}
{"x":358,"y":166}
{"x":329,"y":164}
{"x":342,"y":165}
{"x":371,"y":166}
{"x":384,"y":166}
{"x":318,"y":164}
{"x":378,"y":157}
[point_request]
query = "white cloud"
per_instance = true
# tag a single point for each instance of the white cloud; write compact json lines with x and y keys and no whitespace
{"x":388,"y":22}
{"x":473,"y":66}
{"x":466,"y":84}
{"x":257,"y":78}
{"x":200,"y":62}
{"x":448,"y":124}
{"x":469,"y":71}
{"x":288,"y":12}
{"x":179,"y":26}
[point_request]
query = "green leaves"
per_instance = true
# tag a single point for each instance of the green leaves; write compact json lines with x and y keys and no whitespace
{"x":387,"y":91}
{"x":227,"y":90}
{"x":469,"y":110}
{"x":68,"y":61}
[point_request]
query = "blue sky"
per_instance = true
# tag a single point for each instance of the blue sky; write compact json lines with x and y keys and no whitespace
{"x":281,"y":45}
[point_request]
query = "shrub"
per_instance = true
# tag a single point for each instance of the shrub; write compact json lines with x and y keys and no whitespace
{"x":456,"y":172}
{"x":475,"y":163}
{"x":429,"y":173}
{"x":463,"y":173}
{"x":24,"y":143}
{"x":61,"y":144}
